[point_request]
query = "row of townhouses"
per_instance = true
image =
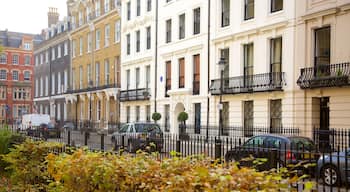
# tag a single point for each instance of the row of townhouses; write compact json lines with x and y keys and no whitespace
{"x":230,"y":64}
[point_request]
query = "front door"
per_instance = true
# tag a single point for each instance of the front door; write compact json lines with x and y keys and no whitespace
{"x":324,"y":124}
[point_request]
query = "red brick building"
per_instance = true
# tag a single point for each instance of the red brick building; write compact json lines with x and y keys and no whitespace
{"x":16,"y":74}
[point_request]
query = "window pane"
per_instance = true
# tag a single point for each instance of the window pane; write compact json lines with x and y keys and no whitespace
{"x":276,"y":5}
{"x":249,"y":9}
{"x":322,"y":44}
{"x":225,"y":15}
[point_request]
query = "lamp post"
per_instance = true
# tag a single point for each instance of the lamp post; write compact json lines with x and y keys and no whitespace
{"x":221,"y":64}
{"x":90,"y":109}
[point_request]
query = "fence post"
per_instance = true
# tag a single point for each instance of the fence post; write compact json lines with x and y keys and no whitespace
{"x":178,"y":144}
{"x":68,"y":137}
{"x":102,"y":142}
{"x":217,"y":148}
{"x":86,"y":138}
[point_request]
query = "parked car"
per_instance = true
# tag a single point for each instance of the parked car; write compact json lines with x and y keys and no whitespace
{"x":139,"y":135}
{"x":49,"y":130}
{"x":278,"y":150}
{"x":68,"y":126}
{"x":332,"y":168}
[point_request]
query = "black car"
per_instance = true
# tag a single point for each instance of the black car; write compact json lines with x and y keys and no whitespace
{"x":139,"y":135}
{"x":276,"y":149}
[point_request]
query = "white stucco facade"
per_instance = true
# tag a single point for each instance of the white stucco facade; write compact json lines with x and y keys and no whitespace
{"x":258,"y":32}
{"x":137,"y":59}
{"x":192,"y":49}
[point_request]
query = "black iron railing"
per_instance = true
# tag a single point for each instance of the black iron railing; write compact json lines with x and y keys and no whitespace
{"x":332,"y":75}
{"x":96,"y":88}
{"x":135,"y":95}
{"x":251,"y":83}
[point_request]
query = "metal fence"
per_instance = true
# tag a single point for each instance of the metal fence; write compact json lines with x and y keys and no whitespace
{"x":331,"y":149}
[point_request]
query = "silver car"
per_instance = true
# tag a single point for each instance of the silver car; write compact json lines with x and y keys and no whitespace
{"x":334,"y":168}
{"x":138,"y":135}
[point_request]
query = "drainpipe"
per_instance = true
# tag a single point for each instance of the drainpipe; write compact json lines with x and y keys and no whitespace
{"x":156,"y":61}
{"x":208,"y":100}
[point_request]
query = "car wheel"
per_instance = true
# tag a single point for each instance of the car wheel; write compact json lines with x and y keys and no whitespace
{"x":330,"y":175}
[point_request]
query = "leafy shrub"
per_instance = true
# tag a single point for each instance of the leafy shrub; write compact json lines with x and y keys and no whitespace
{"x":27,"y":165}
{"x":182,"y":117}
{"x":156,"y":116}
{"x":87,"y":171}
{"x":7,"y":140}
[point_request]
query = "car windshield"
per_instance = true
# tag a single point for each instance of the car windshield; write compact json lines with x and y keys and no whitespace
{"x":124,"y":128}
{"x":143,"y":128}
{"x":301,"y":143}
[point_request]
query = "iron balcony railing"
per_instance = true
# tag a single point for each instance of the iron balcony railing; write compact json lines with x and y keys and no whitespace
{"x":135,"y":95}
{"x":324,"y":76}
{"x":96,"y":88}
{"x":249,"y":83}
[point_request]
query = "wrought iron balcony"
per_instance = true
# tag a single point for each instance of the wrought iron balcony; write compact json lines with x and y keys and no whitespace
{"x":332,"y":75}
{"x":135,"y":95}
{"x":248,"y":84}
{"x":96,"y":88}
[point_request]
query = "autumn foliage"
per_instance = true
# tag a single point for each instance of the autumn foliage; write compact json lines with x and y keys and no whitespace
{"x":34,"y":165}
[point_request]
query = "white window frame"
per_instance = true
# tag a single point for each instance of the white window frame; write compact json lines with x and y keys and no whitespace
{"x":3,"y":58}
{"x":46,"y":85}
{"x":36,"y":87}
{"x":41,"y":87}
{"x":106,"y":6}
{"x":15,"y":75}
{"x":97,"y":39}
{"x":107,"y":34}
{"x":73,"y":48}
{"x":117,"y":31}
{"x":59,"y":51}
{"x":97,"y":74}
{"x":81,"y":46}
{"x":25,"y":59}
{"x":59,"y":85}
{"x":15,"y":59}
{"x":65,"y":48}
{"x":52,"y":53}
{"x":89,"y":42}
{"x":47,"y":57}
{"x":107,"y":72}
{"x":80,"y":77}
{"x":97,"y":8}
{"x":53,"y":83}
{"x":24,"y":76}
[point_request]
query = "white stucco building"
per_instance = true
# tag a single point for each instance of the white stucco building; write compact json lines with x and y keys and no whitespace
{"x":138,"y":60}
{"x":256,"y":40}
{"x":183,"y":63}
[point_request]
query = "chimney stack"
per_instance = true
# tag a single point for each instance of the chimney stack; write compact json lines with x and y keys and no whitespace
{"x":52,"y":16}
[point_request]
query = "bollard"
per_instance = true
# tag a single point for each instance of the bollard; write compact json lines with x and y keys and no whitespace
{"x":178,"y":144}
{"x":217,"y":148}
{"x":68,"y":137}
{"x":102,"y":142}
{"x":86,"y":138}
{"x":123,"y":144}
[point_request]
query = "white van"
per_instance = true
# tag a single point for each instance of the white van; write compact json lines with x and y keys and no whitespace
{"x":34,"y":120}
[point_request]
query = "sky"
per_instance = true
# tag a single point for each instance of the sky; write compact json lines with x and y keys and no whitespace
{"x":28,"y":16}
